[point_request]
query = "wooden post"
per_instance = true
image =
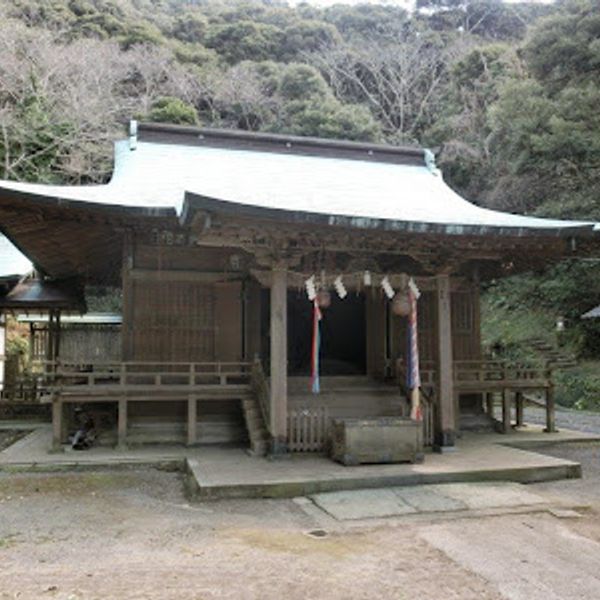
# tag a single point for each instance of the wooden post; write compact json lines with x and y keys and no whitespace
{"x":192,"y":420}
{"x":2,"y":348}
{"x":446,"y":426}
{"x":127,"y":285}
{"x":489,"y":404}
{"x":519,"y":406}
{"x":505,"y":411}
{"x":550,"y":410}
{"x":278,"y":399}
{"x":57,"y":424}
{"x":122,"y":424}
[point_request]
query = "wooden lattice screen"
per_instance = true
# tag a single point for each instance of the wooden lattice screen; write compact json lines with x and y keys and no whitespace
{"x":173,"y":321}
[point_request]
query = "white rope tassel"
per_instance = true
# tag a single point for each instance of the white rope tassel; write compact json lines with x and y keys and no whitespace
{"x":311,"y":290}
{"x":338,"y":284}
{"x":413,"y":288}
{"x":387,"y":287}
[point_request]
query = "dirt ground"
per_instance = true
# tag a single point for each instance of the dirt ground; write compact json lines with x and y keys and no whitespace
{"x":10,"y":436}
{"x":132,"y":534}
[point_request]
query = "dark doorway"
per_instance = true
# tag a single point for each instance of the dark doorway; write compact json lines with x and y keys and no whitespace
{"x":343,"y":335}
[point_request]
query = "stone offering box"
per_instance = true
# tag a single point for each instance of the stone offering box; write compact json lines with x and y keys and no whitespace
{"x":377,"y":440}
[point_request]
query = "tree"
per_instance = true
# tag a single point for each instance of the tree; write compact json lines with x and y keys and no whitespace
{"x":400,"y":79}
{"x":244,"y":40}
{"x":172,"y":110}
{"x":565,"y":47}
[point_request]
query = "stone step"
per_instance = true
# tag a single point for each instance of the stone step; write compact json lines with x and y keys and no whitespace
{"x":259,"y":448}
{"x":330,"y":382}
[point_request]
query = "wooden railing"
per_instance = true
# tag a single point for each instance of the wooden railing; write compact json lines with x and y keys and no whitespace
{"x":138,"y":376}
{"x":498,"y":374}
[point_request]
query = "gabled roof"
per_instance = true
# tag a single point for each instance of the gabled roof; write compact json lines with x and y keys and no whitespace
{"x":12,"y":262}
{"x":37,"y":294}
{"x":331,"y":182}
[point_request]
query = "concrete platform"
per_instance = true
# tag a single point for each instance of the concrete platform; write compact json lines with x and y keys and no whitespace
{"x":427,"y":500}
{"x":226,"y":472}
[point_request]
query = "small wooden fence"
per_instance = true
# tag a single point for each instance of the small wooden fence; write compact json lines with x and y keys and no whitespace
{"x":308,"y":429}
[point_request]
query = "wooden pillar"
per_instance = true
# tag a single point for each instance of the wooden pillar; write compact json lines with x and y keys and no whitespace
{"x":57,"y":424}
{"x":519,"y":406}
{"x":489,"y":404}
{"x":127,"y":284}
{"x":278,"y":399}
{"x":192,"y":420}
{"x":56,"y":335}
{"x":122,"y":424}
{"x":505,"y":411}
{"x":446,"y":421}
{"x":2,"y":348}
{"x":550,"y":410}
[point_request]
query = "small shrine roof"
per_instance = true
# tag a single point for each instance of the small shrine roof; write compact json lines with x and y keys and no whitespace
{"x":168,"y":170}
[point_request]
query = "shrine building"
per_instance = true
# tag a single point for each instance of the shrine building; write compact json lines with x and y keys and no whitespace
{"x":223,"y":242}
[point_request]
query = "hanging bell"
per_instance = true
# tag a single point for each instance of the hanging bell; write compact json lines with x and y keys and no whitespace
{"x":401,"y":304}
{"x":323,"y":299}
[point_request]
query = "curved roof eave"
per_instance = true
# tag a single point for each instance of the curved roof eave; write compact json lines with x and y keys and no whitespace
{"x":196,"y":202}
{"x":162,"y":179}
{"x":54,"y":196}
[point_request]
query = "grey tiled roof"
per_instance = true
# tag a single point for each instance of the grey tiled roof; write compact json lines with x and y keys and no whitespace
{"x":158,"y":175}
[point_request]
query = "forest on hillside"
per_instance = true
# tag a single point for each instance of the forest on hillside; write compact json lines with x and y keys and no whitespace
{"x":506,"y":94}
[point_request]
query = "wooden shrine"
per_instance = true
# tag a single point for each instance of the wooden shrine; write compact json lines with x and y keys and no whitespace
{"x":211,"y":236}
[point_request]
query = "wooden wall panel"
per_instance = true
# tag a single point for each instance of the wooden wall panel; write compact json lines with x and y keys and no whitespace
{"x":92,"y":343}
{"x":193,"y":258}
{"x":228,"y":321}
{"x":466,"y":334}
{"x":252,"y":320}
{"x":172,"y":321}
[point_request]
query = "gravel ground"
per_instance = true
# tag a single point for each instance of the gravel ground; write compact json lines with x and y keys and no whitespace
{"x":132,"y":535}
{"x":10,"y":436}
{"x":569,"y":419}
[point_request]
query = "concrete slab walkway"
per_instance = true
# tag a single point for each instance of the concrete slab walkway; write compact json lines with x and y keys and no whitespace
{"x":225,"y":472}
{"x":425,"y":499}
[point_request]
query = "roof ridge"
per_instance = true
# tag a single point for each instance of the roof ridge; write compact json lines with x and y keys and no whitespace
{"x":277,"y":142}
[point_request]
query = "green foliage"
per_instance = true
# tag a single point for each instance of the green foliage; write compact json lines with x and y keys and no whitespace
{"x":565,"y":47}
{"x":244,"y":40}
{"x":172,"y":110}
{"x":300,"y":82}
{"x":17,"y":345}
{"x":330,"y":119}
{"x":579,"y":388}
{"x":190,"y":27}
{"x":103,"y":299}
{"x":306,"y":36}
{"x":140,"y":33}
